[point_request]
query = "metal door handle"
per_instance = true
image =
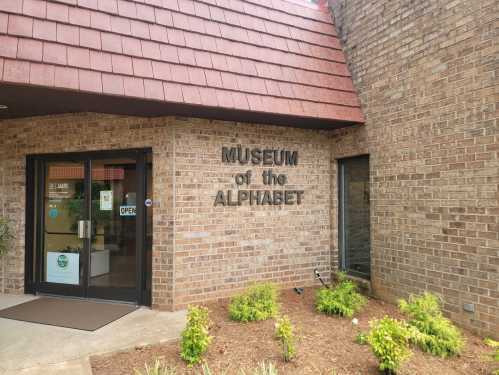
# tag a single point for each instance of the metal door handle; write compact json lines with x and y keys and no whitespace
{"x":84,"y":229}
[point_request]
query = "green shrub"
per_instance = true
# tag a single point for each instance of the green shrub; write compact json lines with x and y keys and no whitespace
{"x":343,"y":300}
{"x":431,"y":332}
{"x":195,"y":337}
{"x":157,"y":369}
{"x":263,"y":369}
{"x":495,"y":354}
{"x":361,"y":338}
{"x":284,"y":332}
{"x":258,"y":302}
{"x":389,"y":341}
{"x":5,"y":235}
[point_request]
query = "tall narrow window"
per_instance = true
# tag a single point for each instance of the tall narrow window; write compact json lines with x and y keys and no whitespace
{"x":354,"y":223}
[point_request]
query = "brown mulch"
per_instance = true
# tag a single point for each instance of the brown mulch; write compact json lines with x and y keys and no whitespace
{"x":325,"y":344}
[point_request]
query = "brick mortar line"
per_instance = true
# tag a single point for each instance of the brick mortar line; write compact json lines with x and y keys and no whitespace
{"x":206,"y":19}
{"x":193,"y":32}
{"x":171,"y":63}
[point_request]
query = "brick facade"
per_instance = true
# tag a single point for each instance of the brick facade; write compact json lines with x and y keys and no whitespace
{"x":426,"y":73}
{"x":200,"y":251}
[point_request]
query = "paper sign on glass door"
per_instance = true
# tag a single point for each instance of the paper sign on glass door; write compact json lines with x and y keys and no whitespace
{"x":106,"y":200}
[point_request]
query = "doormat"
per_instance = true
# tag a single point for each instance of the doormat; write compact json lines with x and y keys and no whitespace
{"x":66,"y":312}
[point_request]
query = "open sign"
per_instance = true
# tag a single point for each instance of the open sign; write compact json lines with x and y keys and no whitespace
{"x":128,"y":211}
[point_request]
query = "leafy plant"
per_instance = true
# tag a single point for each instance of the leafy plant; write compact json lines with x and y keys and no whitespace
{"x":5,"y":235}
{"x":361,"y":338}
{"x":284,"y":332}
{"x":389,"y":341}
{"x":157,"y":369}
{"x":495,"y":354}
{"x":264,"y":369}
{"x":343,"y":300}
{"x":195,"y":336}
{"x":205,"y":370}
{"x":258,"y":302}
{"x":431,"y":331}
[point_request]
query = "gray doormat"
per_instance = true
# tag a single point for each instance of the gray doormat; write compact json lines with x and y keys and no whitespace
{"x":66,"y":312}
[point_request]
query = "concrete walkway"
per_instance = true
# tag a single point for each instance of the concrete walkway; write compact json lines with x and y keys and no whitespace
{"x":29,"y":349}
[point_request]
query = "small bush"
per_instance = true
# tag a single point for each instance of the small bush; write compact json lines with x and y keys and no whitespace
{"x":431,"y":331}
{"x":259,"y":302}
{"x":263,"y":369}
{"x":343,"y":300}
{"x":361,"y":338}
{"x":195,"y":337}
{"x":495,"y":354}
{"x":389,"y":341}
{"x":157,"y":369}
{"x":284,"y":332}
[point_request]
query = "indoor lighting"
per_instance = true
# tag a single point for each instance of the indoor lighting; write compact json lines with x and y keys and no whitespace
{"x":3,"y":107}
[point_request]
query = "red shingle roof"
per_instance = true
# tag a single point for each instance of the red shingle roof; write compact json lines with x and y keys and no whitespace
{"x":275,"y":56}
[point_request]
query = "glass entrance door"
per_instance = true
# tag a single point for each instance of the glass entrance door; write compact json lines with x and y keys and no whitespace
{"x":113,"y":247}
{"x":64,"y":208}
{"x":91,"y":231}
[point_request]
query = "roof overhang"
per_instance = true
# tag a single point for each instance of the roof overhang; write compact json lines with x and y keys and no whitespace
{"x":28,"y":101}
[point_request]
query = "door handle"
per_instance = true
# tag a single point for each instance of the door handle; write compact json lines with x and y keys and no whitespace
{"x":84,"y":229}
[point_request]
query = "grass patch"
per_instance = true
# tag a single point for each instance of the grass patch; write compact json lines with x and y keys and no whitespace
{"x":156,"y":369}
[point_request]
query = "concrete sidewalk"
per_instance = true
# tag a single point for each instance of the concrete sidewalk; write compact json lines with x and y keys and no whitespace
{"x":28,"y":348}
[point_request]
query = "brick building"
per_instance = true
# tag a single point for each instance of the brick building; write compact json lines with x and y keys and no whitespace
{"x":167,"y":152}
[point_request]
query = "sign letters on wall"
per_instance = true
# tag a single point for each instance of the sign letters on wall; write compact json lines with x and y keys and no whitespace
{"x":266,"y":157}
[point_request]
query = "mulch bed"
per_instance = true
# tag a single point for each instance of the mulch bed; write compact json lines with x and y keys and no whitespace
{"x":325,"y":344}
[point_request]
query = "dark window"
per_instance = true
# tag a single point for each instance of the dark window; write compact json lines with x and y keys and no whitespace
{"x":354,"y":222}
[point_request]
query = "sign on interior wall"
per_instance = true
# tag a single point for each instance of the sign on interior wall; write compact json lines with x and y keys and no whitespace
{"x":279,"y":195}
{"x":106,"y":200}
{"x":63,"y":268}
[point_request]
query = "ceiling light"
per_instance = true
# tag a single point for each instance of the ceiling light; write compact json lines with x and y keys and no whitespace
{"x":3,"y":107}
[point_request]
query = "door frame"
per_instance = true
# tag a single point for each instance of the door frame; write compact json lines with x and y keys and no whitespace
{"x":35,"y":216}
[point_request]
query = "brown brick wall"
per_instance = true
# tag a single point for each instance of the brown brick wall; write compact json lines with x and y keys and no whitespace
{"x":426,"y":72}
{"x":220,"y":249}
{"x":200,"y":251}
